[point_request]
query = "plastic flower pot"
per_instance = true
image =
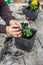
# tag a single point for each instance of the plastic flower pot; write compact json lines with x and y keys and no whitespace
{"x":26,"y":44}
{"x":30,"y":13}
{"x":7,"y":1}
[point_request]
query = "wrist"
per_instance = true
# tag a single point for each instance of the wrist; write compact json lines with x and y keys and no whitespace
{"x":7,"y":29}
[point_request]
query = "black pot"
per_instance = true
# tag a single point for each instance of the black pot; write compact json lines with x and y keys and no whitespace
{"x":29,"y":13}
{"x":26,"y":44}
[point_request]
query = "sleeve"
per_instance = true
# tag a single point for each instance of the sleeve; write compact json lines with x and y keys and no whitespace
{"x":5,"y":12}
{"x":2,"y":28}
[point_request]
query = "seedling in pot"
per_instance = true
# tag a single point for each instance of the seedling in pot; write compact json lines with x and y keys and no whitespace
{"x":33,"y":5}
{"x":26,"y":42}
{"x":26,"y":31}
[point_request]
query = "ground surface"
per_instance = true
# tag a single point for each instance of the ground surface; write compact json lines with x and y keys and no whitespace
{"x":35,"y":56}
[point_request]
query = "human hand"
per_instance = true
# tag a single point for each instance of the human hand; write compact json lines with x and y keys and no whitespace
{"x":13,"y":31}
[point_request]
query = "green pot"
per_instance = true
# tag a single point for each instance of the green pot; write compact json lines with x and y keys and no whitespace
{"x":7,"y":1}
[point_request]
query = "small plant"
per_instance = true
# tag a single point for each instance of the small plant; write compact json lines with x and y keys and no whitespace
{"x":26,"y":30}
{"x":34,"y":4}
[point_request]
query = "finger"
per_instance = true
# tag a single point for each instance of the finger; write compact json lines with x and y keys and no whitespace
{"x":20,"y":35}
{"x":16,"y":33}
{"x":15,"y":26}
{"x":14,"y":30}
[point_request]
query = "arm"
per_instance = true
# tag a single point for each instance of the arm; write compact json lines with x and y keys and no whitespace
{"x":5,"y":12}
{"x":6,"y":15}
